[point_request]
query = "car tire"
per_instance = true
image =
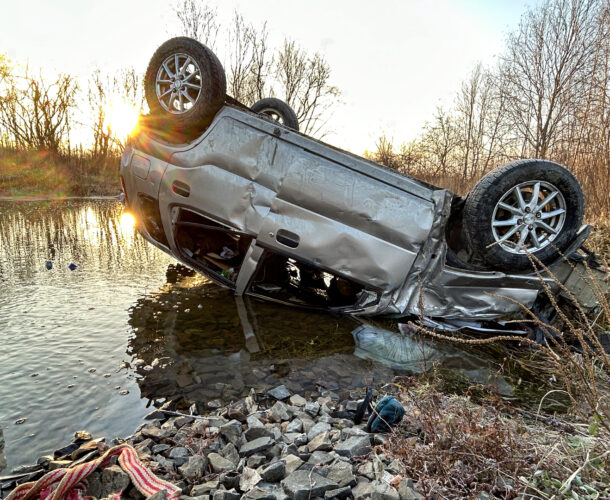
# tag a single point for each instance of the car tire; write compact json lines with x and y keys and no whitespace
{"x":185,"y":86}
{"x":505,"y":226}
{"x":278,"y":110}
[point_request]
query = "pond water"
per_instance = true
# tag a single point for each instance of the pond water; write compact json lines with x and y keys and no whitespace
{"x":94,"y":346}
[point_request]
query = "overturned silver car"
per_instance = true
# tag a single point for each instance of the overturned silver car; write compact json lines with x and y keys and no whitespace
{"x":242,"y":197}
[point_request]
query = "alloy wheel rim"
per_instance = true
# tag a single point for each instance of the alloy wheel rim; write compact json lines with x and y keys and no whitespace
{"x":528,"y":217}
{"x":178,"y":83}
{"x":273,"y":114}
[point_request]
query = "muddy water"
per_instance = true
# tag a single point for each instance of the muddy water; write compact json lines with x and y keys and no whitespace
{"x":93,"y":347}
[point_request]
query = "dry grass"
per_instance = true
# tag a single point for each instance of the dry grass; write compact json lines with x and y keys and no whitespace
{"x":457,"y":449}
{"x":40,"y":174}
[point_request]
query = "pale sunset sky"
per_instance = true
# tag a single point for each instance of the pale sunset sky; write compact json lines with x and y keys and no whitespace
{"x":394,"y":61}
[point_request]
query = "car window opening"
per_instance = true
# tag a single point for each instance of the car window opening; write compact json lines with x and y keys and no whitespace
{"x":289,"y":280}
{"x":210,"y":245}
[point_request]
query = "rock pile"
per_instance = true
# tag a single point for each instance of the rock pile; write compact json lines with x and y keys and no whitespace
{"x":286,"y":447}
{"x":290,"y":448}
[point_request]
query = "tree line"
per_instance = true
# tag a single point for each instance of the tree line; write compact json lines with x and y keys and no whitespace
{"x":42,"y":114}
{"x":548,"y":96}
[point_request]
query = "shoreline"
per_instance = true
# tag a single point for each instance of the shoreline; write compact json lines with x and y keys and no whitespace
{"x":55,"y":198}
{"x":283,"y":446}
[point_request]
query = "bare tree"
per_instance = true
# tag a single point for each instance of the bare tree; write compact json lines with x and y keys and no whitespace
{"x":249,"y":62}
{"x":5,"y":68}
{"x":37,"y":114}
{"x":440,"y":140}
{"x":128,"y":85}
{"x":198,"y":20}
{"x":546,"y":68}
{"x":98,"y":99}
{"x":255,"y":70}
{"x":304,"y":84}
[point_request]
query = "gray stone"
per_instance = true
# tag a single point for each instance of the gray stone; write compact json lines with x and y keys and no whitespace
{"x":226,"y":495}
{"x":266,"y":491}
{"x":215,"y":421}
{"x":219,"y":463}
{"x":367,"y":470}
{"x":167,"y":463}
{"x":114,"y":479}
{"x":342,"y":422}
{"x":297,"y":400}
{"x":180,"y":455}
{"x":276,"y":433}
{"x":253,"y":421}
{"x":204,"y":489}
{"x":231,"y":431}
{"x":230,"y":453}
{"x":308,"y":423}
{"x":253,"y":433}
{"x":297,"y":439}
{"x":394,"y":467}
{"x":341,"y":473}
{"x":153,"y":432}
{"x":194,"y":469}
{"x":290,"y":449}
{"x":354,"y":446}
{"x":353,"y":431}
{"x":274,"y":472}
{"x":229,"y":479}
{"x":353,"y":405}
{"x":312,"y":408}
{"x":379,"y":439}
{"x":294,"y":426}
{"x":274,"y":452}
{"x":280,"y":392}
{"x":159,"y":448}
{"x":362,"y":490}
{"x":340,"y":493}
{"x":249,"y":479}
{"x":303,"y":485}
{"x":335,"y":435}
{"x":160,"y":495}
{"x":318,"y":428}
{"x":292,"y":463}
{"x":95,"y":484}
{"x":321,"y":458}
{"x":146,"y":445}
{"x":279,"y":412}
{"x":256,"y":461}
{"x":321,"y":442}
{"x":182,"y":421}
{"x":383,"y":491}
{"x":256,"y":445}
{"x":407,"y":492}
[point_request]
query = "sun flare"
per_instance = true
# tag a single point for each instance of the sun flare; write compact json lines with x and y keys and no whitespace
{"x":122,"y":118}
{"x":128,"y":221}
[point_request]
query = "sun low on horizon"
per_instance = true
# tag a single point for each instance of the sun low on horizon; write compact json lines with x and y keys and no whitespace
{"x":121,"y":118}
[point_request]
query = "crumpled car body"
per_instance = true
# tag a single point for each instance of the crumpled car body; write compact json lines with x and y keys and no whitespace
{"x":275,"y":214}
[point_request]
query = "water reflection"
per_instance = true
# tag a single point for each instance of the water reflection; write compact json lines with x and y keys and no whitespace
{"x":65,"y":333}
{"x":2,"y":457}
{"x":197,"y":342}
